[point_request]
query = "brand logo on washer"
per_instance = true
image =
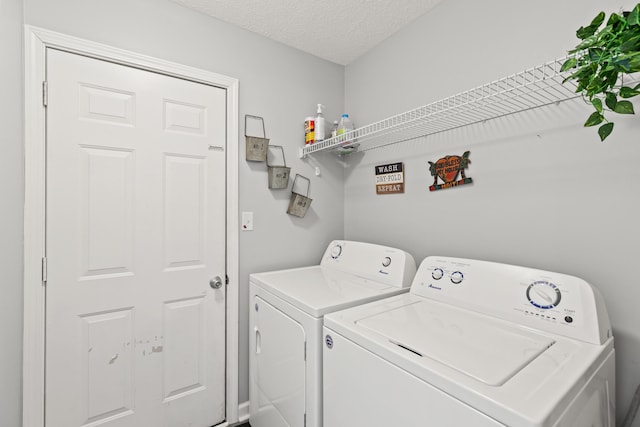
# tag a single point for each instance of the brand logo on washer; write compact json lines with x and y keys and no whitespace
{"x":328,"y":341}
{"x":434,"y":287}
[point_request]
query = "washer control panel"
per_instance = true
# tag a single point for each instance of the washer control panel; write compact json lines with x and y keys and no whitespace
{"x":384,"y":264}
{"x":553,"y":302}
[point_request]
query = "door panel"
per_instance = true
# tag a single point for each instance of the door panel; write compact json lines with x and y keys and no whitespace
{"x":135,"y":230}
{"x":106,"y":214}
{"x":184,"y":196}
{"x":109,"y":388}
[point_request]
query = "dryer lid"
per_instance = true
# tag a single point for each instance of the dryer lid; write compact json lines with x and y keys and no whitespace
{"x":484,"y":348}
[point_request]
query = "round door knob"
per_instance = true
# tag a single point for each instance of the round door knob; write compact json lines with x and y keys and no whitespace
{"x":216,"y":282}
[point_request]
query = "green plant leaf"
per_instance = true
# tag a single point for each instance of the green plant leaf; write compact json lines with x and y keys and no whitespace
{"x":598,"y":20}
{"x":609,"y":32}
{"x":611,"y":100}
{"x":589,"y":30}
{"x":605,"y":130}
{"x":627,"y":92}
{"x":624,"y":107}
{"x":623,"y":64}
{"x":586,"y":43}
{"x":596,"y":54}
{"x":634,"y":62}
{"x":615,"y":20}
{"x":610,"y":77}
{"x":630,"y":45}
{"x":584,"y":32}
{"x":597,"y":104}
{"x":634,"y":17}
{"x":568,"y":64}
{"x":595,"y":86}
{"x":585,"y":73}
{"x":594,"y":119}
{"x":628,"y":34}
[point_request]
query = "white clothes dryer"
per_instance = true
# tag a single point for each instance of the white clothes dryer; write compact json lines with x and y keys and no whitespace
{"x":476,"y":344}
{"x":286,"y":314}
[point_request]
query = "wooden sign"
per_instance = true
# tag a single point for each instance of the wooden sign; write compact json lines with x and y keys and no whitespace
{"x":447,"y":169}
{"x":390,"y":178}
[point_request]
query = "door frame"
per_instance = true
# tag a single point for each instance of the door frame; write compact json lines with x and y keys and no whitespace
{"x":37,"y":40}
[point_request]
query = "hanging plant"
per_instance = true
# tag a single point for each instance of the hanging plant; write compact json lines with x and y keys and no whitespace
{"x":600,"y":58}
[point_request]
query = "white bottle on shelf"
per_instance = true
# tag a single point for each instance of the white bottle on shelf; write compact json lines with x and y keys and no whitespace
{"x":320,"y":124}
{"x":345,"y":126}
{"x":334,"y":131}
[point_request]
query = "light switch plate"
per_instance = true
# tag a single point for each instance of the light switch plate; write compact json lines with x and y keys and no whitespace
{"x":247,"y":221}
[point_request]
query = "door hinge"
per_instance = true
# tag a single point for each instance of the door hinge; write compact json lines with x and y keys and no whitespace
{"x":226,"y":279}
{"x":305,"y":419}
{"x":44,"y":270}
{"x":45,"y":93}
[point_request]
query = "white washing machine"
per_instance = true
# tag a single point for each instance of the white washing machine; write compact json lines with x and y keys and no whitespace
{"x":476,"y":344}
{"x":286,"y":313}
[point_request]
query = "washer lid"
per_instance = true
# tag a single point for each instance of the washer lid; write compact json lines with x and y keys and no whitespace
{"x":317,"y":290}
{"x":487,"y":349}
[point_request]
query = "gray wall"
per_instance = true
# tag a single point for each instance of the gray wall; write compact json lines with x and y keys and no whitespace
{"x":11,"y":194}
{"x":276,"y":82}
{"x":546,"y":192}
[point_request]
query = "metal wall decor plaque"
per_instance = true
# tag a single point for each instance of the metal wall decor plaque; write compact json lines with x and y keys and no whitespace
{"x":447,"y":170}
{"x":390,"y":178}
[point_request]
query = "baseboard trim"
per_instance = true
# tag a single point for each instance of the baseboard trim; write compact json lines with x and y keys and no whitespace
{"x":243,"y":412}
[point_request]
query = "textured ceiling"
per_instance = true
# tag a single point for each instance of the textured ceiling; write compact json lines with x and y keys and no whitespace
{"x":337,"y":30}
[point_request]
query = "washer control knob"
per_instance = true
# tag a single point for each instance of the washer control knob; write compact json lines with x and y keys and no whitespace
{"x":543,"y":294}
{"x":386,"y":262}
{"x":437,"y":273}
{"x":336,"y":251}
{"x":456,"y":277}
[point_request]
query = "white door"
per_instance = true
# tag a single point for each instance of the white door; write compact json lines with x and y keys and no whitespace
{"x":135,"y":334}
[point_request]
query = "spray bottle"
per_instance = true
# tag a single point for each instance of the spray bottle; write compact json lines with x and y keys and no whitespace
{"x":320,"y":124}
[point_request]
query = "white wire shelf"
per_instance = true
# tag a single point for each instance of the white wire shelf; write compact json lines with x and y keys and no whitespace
{"x":532,"y":88}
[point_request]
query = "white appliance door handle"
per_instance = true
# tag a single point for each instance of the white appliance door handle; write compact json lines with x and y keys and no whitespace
{"x":258,"y":340}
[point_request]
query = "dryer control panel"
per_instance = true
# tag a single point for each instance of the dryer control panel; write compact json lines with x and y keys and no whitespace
{"x":552,"y":302}
{"x":383,"y":264}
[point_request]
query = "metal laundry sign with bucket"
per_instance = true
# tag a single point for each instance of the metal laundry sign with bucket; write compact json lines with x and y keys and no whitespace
{"x":278,"y":174}
{"x":299,"y":204}
{"x":256,"y":146}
